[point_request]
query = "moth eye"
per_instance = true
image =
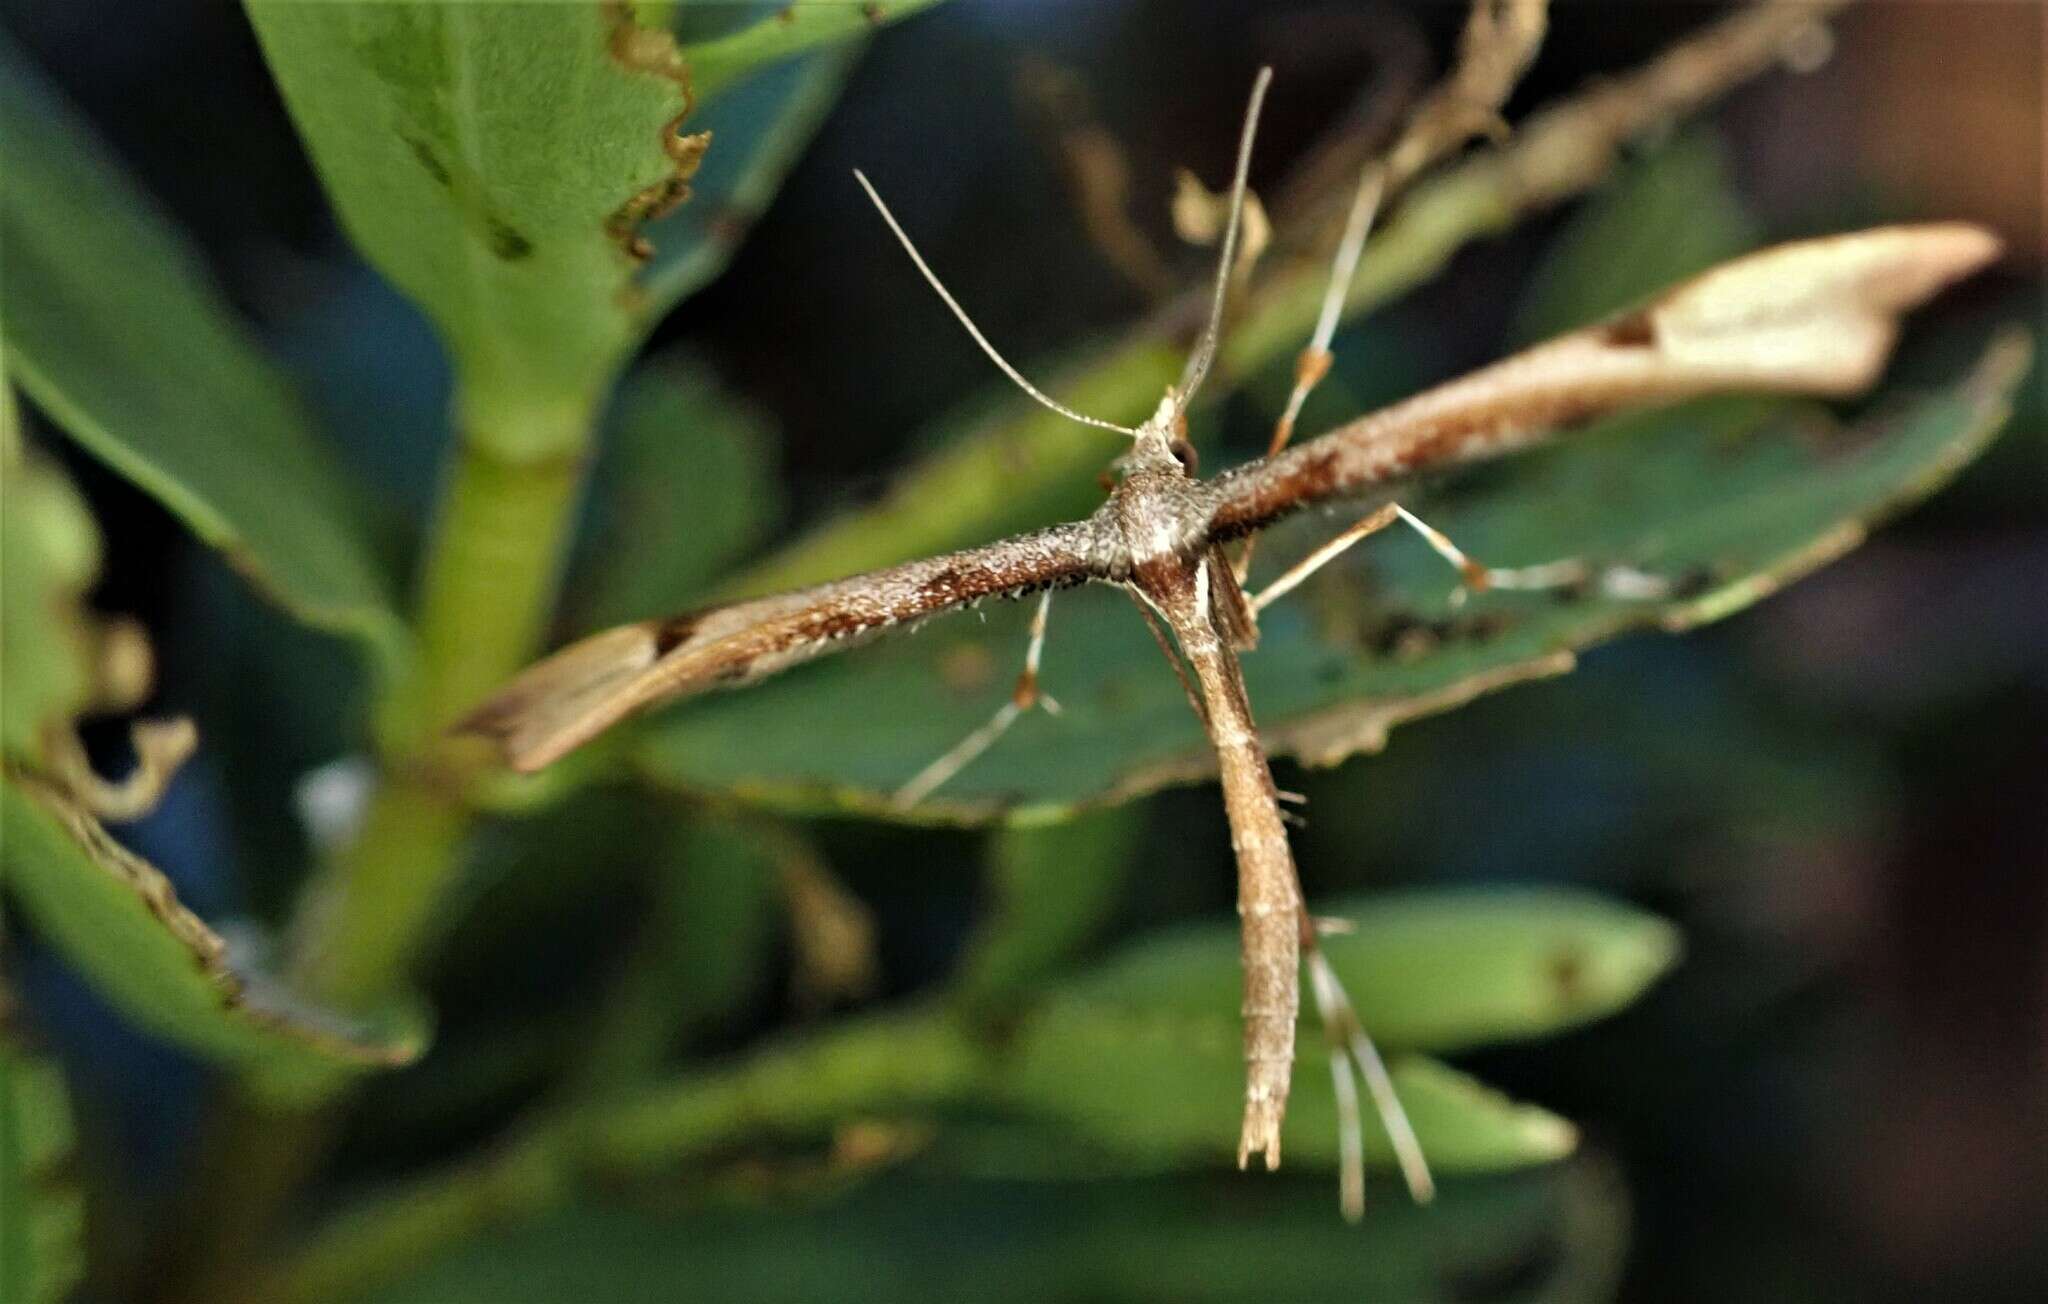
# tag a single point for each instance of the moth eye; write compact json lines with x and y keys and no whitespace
{"x":1184,"y":453}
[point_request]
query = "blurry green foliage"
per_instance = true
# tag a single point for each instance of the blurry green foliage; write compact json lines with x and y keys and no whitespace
{"x":1052,"y":888}
{"x":112,"y":914}
{"x":53,"y":557}
{"x":42,"y":1252}
{"x":1667,"y":215}
{"x":118,"y":335}
{"x":686,"y":486}
{"x":1438,"y":971}
{"x":1553,"y":1236}
{"x":1144,"y":1051}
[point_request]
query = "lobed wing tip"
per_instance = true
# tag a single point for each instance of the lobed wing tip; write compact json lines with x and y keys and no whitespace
{"x":1947,"y":251}
{"x":1931,"y":257}
{"x":560,"y":702}
{"x":1965,"y":231}
{"x":498,"y":722}
{"x":1969,"y":245}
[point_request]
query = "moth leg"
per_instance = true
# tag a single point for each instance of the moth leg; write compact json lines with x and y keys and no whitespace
{"x":1616,"y":581}
{"x":1180,"y":672}
{"x":1292,"y":578}
{"x":1313,"y":362}
{"x":1349,"y":1044}
{"x":1022,"y":698}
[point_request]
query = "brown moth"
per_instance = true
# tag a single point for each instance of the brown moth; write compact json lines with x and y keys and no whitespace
{"x":1813,"y":317}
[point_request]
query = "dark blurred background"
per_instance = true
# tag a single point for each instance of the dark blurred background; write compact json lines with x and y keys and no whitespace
{"x":1841,"y":796}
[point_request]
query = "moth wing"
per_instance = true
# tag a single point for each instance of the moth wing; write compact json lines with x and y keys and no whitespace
{"x":558,"y":704}
{"x":1815,"y":317}
{"x":562,"y":702}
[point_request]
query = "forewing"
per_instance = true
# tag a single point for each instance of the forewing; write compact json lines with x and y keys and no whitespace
{"x":1812,"y":317}
{"x":566,"y":700}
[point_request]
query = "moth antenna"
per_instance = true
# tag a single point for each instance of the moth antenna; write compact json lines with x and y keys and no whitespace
{"x":1197,"y":368}
{"x":990,"y":349}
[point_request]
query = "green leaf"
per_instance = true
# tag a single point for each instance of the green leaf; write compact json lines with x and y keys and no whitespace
{"x":497,"y":164}
{"x":686,"y":484}
{"x":1145,"y":1053}
{"x":1053,"y":887}
{"x":117,"y":919}
{"x":41,"y":1255}
{"x":508,"y":167}
{"x":915,"y":1237}
{"x":892,"y":1062}
{"x":115,"y":331}
{"x":1155,"y":1097}
{"x":1667,"y":216}
{"x":53,"y":556}
{"x":1436,"y":970}
{"x":1731,"y":499}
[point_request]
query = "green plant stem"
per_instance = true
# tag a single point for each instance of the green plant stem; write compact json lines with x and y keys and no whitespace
{"x":489,"y":581}
{"x":916,"y":1058}
{"x":715,"y":63}
{"x":488,"y":585}
{"x":380,"y":894}
{"x":252,"y":1159}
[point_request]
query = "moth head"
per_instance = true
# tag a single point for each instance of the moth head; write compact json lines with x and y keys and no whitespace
{"x":1161,"y":446}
